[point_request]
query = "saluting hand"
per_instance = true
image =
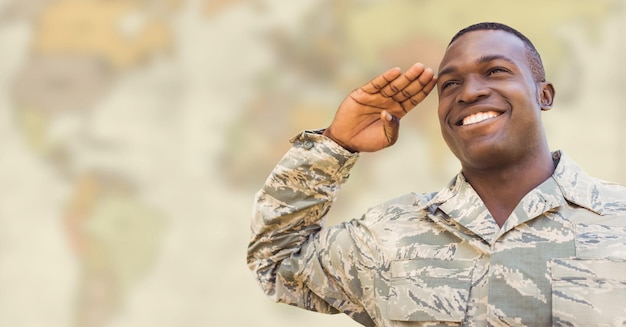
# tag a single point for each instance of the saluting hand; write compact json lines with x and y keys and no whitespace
{"x":368,"y":119}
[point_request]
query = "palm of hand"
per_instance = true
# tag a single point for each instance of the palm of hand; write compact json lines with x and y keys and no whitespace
{"x":368,"y":119}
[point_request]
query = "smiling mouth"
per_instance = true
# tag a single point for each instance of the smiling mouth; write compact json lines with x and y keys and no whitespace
{"x":477,"y":118}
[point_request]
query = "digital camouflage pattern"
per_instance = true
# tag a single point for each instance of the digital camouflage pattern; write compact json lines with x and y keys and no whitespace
{"x":440,"y":259}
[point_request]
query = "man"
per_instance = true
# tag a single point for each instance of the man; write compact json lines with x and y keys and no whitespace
{"x":520,"y":237}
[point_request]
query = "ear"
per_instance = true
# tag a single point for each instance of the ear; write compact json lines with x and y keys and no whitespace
{"x":546,"y":95}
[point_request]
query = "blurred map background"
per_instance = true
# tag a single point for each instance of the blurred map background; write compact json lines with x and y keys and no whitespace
{"x":134,"y":134}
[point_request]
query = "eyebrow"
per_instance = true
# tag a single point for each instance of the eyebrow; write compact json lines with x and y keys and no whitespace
{"x":479,"y":61}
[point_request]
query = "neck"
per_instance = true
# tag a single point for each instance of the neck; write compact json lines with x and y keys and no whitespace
{"x":501,"y":189}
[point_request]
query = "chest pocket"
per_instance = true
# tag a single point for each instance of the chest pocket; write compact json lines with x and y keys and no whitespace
{"x":590,"y":290}
{"x":428,"y":290}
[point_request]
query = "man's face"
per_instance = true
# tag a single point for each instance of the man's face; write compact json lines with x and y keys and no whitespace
{"x":489,"y":107}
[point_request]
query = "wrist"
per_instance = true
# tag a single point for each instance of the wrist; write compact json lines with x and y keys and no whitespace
{"x":328,"y":133}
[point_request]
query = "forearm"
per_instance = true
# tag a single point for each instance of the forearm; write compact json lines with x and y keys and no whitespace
{"x":291,"y":205}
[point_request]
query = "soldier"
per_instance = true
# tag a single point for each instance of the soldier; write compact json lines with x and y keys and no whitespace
{"x":520,"y":237}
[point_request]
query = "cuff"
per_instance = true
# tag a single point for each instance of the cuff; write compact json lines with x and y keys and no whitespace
{"x":313,"y":140}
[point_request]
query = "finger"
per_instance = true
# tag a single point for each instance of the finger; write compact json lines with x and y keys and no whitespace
{"x":400,"y":83}
{"x":391,"y":127}
{"x":413,"y":101}
{"x":381,"y":81}
{"x":416,"y":86}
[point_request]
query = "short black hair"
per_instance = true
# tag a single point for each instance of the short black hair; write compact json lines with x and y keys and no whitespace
{"x":532,"y":55}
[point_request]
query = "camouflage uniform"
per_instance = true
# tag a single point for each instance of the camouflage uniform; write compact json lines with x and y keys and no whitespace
{"x":440,"y":259}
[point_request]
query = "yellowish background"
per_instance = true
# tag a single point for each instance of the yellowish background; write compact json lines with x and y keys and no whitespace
{"x":134,"y":134}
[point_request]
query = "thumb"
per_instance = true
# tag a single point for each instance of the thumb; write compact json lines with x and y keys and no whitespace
{"x":391,"y":126}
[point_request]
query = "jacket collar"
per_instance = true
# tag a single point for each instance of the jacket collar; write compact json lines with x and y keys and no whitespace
{"x":568,"y":183}
{"x":576,"y":185}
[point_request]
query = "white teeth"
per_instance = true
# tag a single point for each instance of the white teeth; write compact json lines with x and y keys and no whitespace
{"x":478,"y":117}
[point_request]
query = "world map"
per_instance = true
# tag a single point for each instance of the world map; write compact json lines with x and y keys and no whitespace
{"x":134,"y":134}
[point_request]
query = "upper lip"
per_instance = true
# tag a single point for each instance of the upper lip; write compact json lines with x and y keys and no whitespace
{"x":474,"y":110}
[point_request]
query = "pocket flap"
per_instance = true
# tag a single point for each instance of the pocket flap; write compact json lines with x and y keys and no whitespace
{"x":599,"y":269}
{"x":433,"y":268}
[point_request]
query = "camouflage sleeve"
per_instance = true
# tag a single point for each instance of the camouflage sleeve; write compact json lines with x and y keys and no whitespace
{"x":290,"y":250}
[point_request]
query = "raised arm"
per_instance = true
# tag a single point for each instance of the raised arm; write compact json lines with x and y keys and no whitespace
{"x":295,"y":259}
{"x":287,"y":251}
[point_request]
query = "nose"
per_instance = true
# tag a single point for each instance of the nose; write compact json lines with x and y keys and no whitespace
{"x":472,"y":90}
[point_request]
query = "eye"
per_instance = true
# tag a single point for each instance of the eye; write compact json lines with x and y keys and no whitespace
{"x":446,"y":84}
{"x":497,"y":70}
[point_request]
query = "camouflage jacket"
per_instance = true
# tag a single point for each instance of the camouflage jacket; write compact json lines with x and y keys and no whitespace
{"x":440,"y":259}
